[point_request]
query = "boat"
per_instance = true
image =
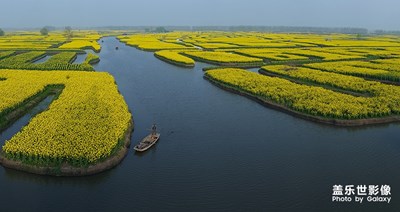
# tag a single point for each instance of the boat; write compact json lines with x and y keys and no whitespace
{"x":116,"y":47}
{"x":147,"y":142}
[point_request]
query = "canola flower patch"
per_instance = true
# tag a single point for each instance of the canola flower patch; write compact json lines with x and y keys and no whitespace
{"x":274,"y":48}
{"x":348,"y":83}
{"x":30,"y":41}
{"x":81,"y":44}
{"x":82,"y":126}
{"x":358,"y":68}
{"x":175,"y":57}
{"x":270,"y":53}
{"x":223,"y":57}
{"x":312,"y":100}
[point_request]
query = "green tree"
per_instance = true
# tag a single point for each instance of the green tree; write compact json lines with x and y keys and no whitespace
{"x":160,"y":30}
{"x":68,"y":32}
{"x":44,"y":31}
{"x":1,"y":32}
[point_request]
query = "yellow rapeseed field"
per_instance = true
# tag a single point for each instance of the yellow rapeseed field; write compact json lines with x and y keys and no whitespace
{"x":81,"y":44}
{"x":83,"y":125}
{"x":223,"y":57}
{"x":175,"y":57}
{"x":312,"y":100}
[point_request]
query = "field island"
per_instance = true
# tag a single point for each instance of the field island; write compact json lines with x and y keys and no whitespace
{"x":88,"y":125}
{"x":338,"y":79}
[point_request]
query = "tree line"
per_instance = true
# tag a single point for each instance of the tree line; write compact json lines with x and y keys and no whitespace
{"x":45,"y":31}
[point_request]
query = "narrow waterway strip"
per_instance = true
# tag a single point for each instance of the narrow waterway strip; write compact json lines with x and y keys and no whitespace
{"x":79,"y":59}
{"x":24,"y":120}
{"x":43,"y":59}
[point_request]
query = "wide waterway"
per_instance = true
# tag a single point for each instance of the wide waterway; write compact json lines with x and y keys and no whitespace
{"x":218,"y":152}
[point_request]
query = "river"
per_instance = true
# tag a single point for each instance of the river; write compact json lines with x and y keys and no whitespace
{"x":218,"y":152}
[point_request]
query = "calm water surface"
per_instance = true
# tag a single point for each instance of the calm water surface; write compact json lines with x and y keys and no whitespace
{"x":218,"y":152}
{"x":43,"y":60}
{"x":80,"y":58}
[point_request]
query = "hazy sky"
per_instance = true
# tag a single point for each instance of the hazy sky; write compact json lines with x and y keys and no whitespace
{"x":372,"y":14}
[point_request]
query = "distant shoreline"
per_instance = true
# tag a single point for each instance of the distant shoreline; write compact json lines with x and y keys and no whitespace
{"x":227,"y":28}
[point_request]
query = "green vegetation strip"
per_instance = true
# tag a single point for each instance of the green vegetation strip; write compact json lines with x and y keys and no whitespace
{"x":92,"y":59}
{"x":59,"y":61}
{"x":6,"y":54}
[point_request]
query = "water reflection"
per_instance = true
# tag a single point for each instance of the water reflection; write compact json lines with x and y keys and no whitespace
{"x":80,"y":58}
{"x":43,"y":59}
{"x":87,"y":181}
